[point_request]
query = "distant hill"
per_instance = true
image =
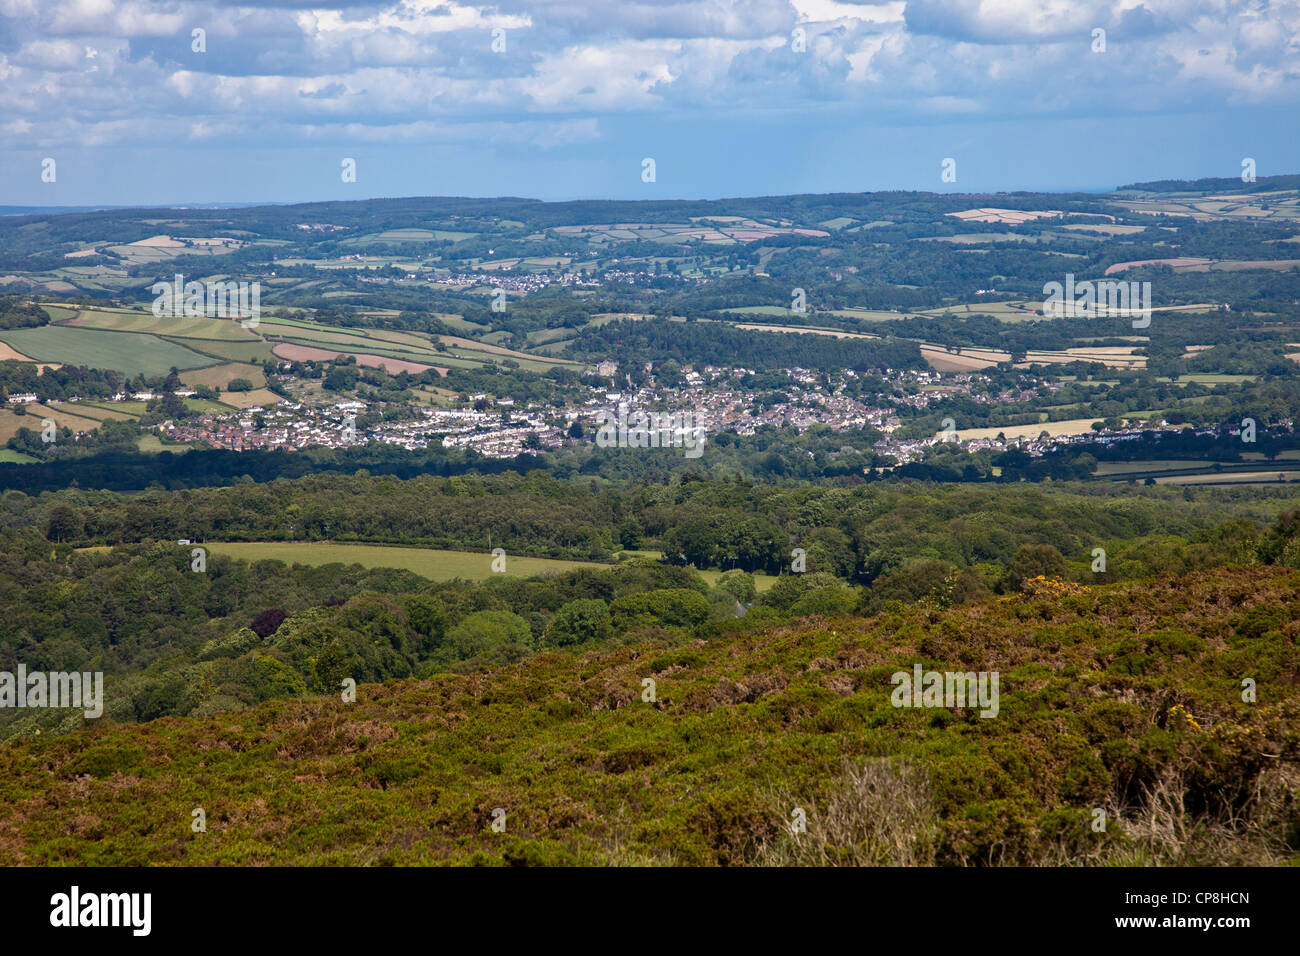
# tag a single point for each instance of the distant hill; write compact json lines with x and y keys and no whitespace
{"x":1215,"y":185}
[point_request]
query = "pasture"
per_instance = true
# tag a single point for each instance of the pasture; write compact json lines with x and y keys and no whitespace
{"x":395,"y":350}
{"x":255,"y":352}
{"x":258,"y":396}
{"x":132,"y":354}
{"x":431,"y":563}
{"x":221,"y":330}
{"x":10,"y":422}
{"x":1071,"y":426}
{"x":802,"y":330}
{"x":219,"y":376}
{"x":436,"y":565}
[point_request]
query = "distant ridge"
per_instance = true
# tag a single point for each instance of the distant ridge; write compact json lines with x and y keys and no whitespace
{"x":104,"y":207}
{"x":1220,"y":184}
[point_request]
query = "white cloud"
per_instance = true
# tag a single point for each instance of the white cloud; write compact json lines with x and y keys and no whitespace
{"x":413,"y":69}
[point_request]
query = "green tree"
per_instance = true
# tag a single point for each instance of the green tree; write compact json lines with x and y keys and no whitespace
{"x":578,"y":622}
{"x":341,"y":378}
{"x":1031,"y":561}
{"x":740,"y":585}
{"x":65,"y":524}
{"x":485,"y":631}
{"x":669,"y":607}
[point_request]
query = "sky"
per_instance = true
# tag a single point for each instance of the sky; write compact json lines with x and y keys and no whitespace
{"x":209,"y":101}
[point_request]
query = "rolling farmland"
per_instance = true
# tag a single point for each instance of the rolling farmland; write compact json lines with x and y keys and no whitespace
{"x":130,"y":353}
{"x":185,"y":327}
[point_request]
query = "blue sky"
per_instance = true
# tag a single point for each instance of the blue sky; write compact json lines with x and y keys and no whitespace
{"x":743,"y":97}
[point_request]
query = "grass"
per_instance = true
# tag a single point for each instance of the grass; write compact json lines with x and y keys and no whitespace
{"x":258,"y":396}
{"x":58,"y":313}
{"x":151,"y":444}
{"x":1106,"y":468}
{"x":868,"y":315}
{"x":109,"y":411}
{"x":130,"y":353}
{"x":1001,"y":310}
{"x":407,"y":346}
{"x":761,"y":581}
{"x":1208,"y":378}
{"x":406,"y":235}
{"x":1073,"y":426}
{"x":271,"y":324}
{"x":224,"y":330}
{"x":459,"y":322}
{"x":220,"y":376}
{"x":430,"y":563}
{"x":762,"y":310}
{"x":10,"y":423}
{"x":256,"y":352}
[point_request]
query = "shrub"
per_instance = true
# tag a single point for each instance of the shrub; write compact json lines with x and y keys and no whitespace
{"x":578,"y":622}
{"x":740,"y":585}
{"x":670,"y":607}
{"x":267,"y":622}
{"x":1032,"y":561}
{"x":484,"y":631}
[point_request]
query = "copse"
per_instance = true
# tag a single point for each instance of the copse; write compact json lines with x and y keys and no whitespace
{"x":579,"y":622}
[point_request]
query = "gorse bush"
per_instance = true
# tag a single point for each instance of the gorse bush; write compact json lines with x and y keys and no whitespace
{"x":1123,"y":699}
{"x":173,"y":642}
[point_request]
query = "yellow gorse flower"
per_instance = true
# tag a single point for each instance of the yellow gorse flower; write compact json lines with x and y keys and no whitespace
{"x":1042,"y":586}
{"x":1180,"y":716}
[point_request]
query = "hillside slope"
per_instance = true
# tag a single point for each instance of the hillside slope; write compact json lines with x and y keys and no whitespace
{"x":1125,"y":699}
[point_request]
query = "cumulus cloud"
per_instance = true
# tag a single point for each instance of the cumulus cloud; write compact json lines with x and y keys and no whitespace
{"x":552,"y":70}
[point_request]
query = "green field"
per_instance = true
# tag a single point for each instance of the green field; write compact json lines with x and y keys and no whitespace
{"x":761,"y":581}
{"x":762,"y":310}
{"x":426,"y":562}
{"x":868,"y":315}
{"x":224,"y":330}
{"x":132,"y":354}
{"x":459,"y":322}
{"x":436,"y":565}
{"x":1002,"y":311}
{"x":204,"y":342}
{"x":406,"y":235}
{"x":1208,"y":378}
{"x":257,"y":352}
{"x":151,"y":444}
{"x":269,"y":324}
{"x":407,"y":346}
